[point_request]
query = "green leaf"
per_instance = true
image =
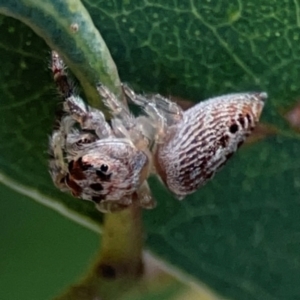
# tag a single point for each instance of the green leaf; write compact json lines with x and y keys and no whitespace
{"x":238,"y":234}
{"x":37,"y":248}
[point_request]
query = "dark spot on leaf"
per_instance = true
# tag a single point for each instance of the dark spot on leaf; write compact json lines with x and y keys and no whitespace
{"x":107,"y":271}
{"x":96,"y":186}
{"x":233,"y":128}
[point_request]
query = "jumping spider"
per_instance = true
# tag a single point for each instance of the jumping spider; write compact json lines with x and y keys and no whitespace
{"x":109,"y":163}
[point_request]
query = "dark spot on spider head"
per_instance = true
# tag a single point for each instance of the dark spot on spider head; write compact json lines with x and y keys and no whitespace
{"x":75,"y":188}
{"x":103,"y":176}
{"x":70,"y":165}
{"x":83,"y":166}
{"x":80,"y":142}
{"x":75,"y":170}
{"x":234,"y":128}
{"x":96,"y":186}
{"x":63,"y":179}
{"x":104,"y":168}
{"x":98,"y":199}
{"x":85,"y":140}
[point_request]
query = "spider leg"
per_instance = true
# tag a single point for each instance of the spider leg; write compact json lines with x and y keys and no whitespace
{"x":144,"y":196}
{"x":170,"y":109}
{"x":124,"y":124}
{"x":159,"y":109}
{"x":87,"y":117}
{"x":57,"y":150}
{"x":64,"y":142}
{"x":156,"y":106}
{"x":151,"y":110}
{"x":75,"y":141}
{"x":64,"y":84}
{"x":57,"y":165}
{"x":117,"y":109}
{"x":114,"y":206}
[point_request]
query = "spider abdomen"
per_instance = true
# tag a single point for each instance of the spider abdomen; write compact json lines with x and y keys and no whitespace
{"x":202,"y":142}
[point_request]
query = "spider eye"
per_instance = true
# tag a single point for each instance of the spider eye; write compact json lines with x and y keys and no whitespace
{"x":102,"y":173}
{"x":104,"y":168}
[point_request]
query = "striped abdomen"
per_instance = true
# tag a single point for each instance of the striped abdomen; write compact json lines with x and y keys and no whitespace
{"x":208,"y":135}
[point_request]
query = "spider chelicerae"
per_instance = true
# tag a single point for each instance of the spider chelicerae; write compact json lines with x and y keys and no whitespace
{"x":109,"y":162}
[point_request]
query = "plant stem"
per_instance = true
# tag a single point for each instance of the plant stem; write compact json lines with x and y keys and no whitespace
{"x":119,"y":262}
{"x":67,"y":27}
{"x":122,"y":244}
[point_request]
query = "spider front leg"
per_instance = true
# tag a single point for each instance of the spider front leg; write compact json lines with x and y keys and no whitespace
{"x":87,"y":117}
{"x":57,"y":165}
{"x":58,"y":149}
{"x":172,"y":112}
{"x":162,"y":112}
{"x":124,"y":124}
{"x":64,"y":143}
{"x":145,"y":196}
{"x":117,"y":109}
{"x":114,"y":206}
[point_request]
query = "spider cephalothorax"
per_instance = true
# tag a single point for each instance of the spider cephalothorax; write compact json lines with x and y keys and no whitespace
{"x":110,"y":163}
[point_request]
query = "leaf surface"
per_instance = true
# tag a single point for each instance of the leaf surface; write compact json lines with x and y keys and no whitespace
{"x":238,"y":234}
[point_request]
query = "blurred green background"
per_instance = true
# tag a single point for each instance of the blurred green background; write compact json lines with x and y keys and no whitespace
{"x":39,"y":248}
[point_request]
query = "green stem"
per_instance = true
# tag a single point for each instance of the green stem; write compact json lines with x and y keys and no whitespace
{"x":119,"y":263}
{"x":122,"y":244}
{"x":67,"y":27}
